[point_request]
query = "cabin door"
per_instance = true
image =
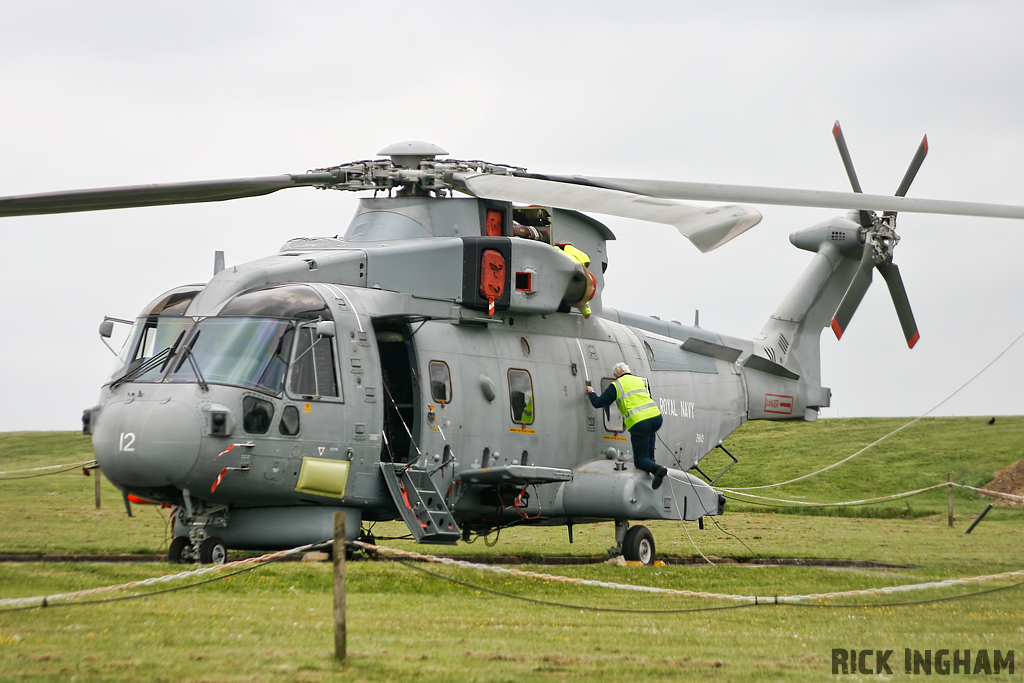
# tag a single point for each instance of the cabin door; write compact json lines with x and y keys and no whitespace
{"x":400,"y":397}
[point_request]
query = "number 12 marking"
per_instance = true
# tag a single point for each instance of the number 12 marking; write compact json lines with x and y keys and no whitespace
{"x":127,"y":442}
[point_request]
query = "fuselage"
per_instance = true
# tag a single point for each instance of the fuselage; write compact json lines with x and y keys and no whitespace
{"x":400,"y":380}
{"x":439,"y":339}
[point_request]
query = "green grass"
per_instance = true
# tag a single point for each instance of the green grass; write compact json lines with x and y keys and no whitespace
{"x":275,"y":623}
{"x":919,"y":455}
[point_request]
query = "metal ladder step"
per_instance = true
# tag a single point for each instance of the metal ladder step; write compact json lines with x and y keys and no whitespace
{"x":421,"y":505}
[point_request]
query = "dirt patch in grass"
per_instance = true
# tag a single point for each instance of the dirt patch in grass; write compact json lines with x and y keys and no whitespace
{"x":1008,"y":480}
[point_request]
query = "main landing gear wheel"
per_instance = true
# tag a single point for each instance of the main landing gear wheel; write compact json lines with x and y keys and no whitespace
{"x":638,"y":546}
{"x":213,"y":551}
{"x":364,"y":537}
{"x":176,"y":551}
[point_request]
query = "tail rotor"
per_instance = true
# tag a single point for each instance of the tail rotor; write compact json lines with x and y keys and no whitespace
{"x":880,"y":239}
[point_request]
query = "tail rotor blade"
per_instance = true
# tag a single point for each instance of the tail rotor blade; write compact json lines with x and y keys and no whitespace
{"x":844,"y":152}
{"x":915,"y":166}
{"x":851,"y":173}
{"x":854,"y":293}
{"x":891,"y":273}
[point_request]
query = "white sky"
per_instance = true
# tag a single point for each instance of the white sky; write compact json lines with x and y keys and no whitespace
{"x":117,"y":93}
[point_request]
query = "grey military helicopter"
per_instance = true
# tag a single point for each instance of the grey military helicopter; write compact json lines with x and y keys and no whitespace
{"x":429,"y":364}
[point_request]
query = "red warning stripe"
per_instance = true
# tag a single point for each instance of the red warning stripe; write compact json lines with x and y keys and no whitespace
{"x":220,"y":478}
{"x":226,"y":450}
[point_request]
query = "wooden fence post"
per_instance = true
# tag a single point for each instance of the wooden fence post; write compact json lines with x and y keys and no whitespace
{"x":94,"y":471}
{"x":949,"y":478}
{"x":339,"y":586}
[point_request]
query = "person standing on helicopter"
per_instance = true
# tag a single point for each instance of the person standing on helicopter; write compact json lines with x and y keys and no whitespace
{"x":640,"y":413}
{"x":581,"y":257}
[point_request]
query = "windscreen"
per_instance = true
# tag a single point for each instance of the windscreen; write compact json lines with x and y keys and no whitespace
{"x":245,"y":352}
{"x":150,"y":344}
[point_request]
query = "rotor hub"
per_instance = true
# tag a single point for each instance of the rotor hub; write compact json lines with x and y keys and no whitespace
{"x":411,"y":153}
{"x":412,"y":169}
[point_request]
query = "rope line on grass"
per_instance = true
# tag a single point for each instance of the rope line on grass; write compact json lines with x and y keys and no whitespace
{"x":69,"y":466}
{"x":866,"y":501}
{"x":989,"y":492}
{"x":886,"y":590}
{"x":898,"y":429}
{"x":138,"y":596}
{"x":14,"y":604}
{"x":46,"y":600}
{"x":589,"y":608}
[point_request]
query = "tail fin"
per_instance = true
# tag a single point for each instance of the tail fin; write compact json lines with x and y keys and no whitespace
{"x":788,"y":385}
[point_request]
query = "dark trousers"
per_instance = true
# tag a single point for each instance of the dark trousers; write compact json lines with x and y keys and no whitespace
{"x":644,"y":434}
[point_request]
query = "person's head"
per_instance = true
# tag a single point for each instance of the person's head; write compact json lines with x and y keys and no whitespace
{"x":620,"y":369}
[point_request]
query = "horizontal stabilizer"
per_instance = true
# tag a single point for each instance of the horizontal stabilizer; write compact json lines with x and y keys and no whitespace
{"x":706,"y":348}
{"x":762,"y":364}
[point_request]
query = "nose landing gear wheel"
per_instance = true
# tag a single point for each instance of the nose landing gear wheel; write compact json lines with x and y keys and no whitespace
{"x":638,"y":546}
{"x":176,"y":552}
{"x":213,"y":551}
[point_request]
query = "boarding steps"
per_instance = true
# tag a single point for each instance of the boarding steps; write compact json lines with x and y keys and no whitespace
{"x":420,"y":503}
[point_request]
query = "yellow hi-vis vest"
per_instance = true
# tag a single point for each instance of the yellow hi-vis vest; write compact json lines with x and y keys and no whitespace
{"x":527,"y":416}
{"x":578,"y":255}
{"x":583,"y":258}
{"x":634,"y":399}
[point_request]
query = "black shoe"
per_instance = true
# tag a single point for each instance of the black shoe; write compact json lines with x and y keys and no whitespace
{"x":659,"y":477}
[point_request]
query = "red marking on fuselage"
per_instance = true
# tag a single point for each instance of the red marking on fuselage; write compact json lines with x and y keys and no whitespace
{"x":780,"y":405}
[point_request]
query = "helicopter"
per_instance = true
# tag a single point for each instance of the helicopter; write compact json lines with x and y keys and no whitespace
{"x":428,"y":365}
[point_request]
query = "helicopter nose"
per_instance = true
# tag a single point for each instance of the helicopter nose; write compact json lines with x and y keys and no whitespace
{"x":146,"y":443}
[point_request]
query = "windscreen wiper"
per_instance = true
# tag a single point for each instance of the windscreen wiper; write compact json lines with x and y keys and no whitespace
{"x":160,"y":359}
{"x":142,"y":368}
{"x":173,"y":349}
{"x":186,"y":354}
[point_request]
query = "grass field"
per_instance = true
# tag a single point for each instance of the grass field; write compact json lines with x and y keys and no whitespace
{"x":275,"y":622}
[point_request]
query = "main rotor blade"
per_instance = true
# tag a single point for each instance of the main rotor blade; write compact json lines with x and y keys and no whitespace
{"x":854,"y":293}
{"x":676,"y":189}
{"x":915,"y":166}
{"x":891,"y":273}
{"x":707,"y":227}
{"x":844,"y":153}
{"x":154,"y":195}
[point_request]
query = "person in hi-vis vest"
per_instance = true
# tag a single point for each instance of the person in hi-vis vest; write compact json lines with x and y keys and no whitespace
{"x":640,"y":413}
{"x":581,"y":257}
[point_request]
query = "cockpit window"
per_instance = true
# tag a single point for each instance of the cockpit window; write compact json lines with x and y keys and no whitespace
{"x":151,"y":340}
{"x":313,"y":372}
{"x":174,"y":302}
{"x":251,"y":353}
{"x":265,"y":339}
{"x":150,"y":344}
{"x":298,"y":302}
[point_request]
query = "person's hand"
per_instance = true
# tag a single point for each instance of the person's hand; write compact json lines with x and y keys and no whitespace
{"x":588,"y":388}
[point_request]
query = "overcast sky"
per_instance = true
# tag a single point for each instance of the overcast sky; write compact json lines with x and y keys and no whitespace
{"x":112,"y":93}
